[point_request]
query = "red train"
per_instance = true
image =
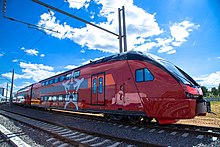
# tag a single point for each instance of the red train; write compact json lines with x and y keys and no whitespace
{"x":131,"y":84}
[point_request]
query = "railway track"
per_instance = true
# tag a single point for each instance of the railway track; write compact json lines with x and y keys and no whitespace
{"x":201,"y":131}
{"x":70,"y":136}
{"x":205,"y":135}
{"x":5,"y":141}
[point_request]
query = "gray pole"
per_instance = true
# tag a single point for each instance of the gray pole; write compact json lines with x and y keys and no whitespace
{"x":124,"y":29}
{"x":7,"y":92}
{"x":12,"y":82}
{"x":119,"y":30}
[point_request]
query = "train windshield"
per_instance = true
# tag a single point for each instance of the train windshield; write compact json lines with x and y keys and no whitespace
{"x":173,"y":69}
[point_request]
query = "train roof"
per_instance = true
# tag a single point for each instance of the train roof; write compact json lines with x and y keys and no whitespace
{"x":130,"y":55}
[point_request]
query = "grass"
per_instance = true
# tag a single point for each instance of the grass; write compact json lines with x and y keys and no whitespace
{"x":210,"y":119}
{"x":215,"y":107}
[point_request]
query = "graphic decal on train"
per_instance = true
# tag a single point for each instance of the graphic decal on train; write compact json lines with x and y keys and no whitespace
{"x":71,"y":87}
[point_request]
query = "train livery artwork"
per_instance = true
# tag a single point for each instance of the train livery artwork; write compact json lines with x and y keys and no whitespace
{"x":133,"y":85}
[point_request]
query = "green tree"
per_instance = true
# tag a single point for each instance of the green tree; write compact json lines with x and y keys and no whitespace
{"x":219,"y":89}
{"x":214,"y":91}
{"x":205,"y":91}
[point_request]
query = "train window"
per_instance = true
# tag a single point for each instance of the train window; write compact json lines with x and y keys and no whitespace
{"x":143,"y":75}
{"x":60,"y":98}
{"x":100,"y":85}
{"x":67,"y":98}
{"x":54,"y":98}
{"x":67,"y":77}
{"x":51,"y":81}
{"x":50,"y":98}
{"x":139,"y":75}
{"x":43,"y":84}
{"x":147,"y":75}
{"x":76,"y":74}
{"x":56,"y":80}
{"x":94,"y":86}
{"x":42,"y":98}
{"x":62,"y":78}
{"x":47,"y":82}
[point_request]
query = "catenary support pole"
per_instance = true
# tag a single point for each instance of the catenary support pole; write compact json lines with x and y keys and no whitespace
{"x":11,"y":92}
{"x":119,"y":31}
{"x":124,"y":29}
{"x":7,"y":92}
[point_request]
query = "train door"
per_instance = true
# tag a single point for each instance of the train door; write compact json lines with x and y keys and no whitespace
{"x":98,"y":89}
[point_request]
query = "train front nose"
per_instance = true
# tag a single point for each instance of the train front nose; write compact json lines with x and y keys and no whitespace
{"x":202,"y":106}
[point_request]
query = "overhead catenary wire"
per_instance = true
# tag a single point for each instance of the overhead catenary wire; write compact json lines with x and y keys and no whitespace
{"x":20,"y":21}
{"x":73,"y":16}
{"x":38,"y":40}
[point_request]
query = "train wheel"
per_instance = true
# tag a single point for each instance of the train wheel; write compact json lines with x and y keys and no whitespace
{"x":148,"y":120}
{"x":118,"y":117}
{"x":108,"y":117}
{"x":134,"y":119}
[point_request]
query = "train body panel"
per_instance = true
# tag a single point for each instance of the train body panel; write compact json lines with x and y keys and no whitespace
{"x":125,"y":84}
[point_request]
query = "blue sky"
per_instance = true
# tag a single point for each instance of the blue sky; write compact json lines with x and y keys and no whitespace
{"x":184,"y":32}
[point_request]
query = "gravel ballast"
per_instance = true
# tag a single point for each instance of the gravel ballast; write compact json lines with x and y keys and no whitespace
{"x":141,"y":134}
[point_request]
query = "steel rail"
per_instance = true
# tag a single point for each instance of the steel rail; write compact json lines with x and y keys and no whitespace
{"x":101,"y":135}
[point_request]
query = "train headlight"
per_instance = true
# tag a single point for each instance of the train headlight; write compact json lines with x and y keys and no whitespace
{"x":191,"y":96}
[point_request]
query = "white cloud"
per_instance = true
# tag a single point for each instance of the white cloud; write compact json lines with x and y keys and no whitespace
{"x":35,"y":66}
{"x":145,"y":26}
{"x":141,"y":26}
{"x":171,"y":52}
{"x":82,"y":51}
{"x":70,"y":66}
{"x":180,"y":31}
{"x":1,"y":54}
{"x":23,"y":84}
{"x":16,"y":76}
{"x":32,"y":52}
{"x":35,"y":72}
{"x":15,"y":60}
{"x":42,"y":55}
{"x":165,"y":48}
{"x":211,"y":80}
{"x":78,"y":4}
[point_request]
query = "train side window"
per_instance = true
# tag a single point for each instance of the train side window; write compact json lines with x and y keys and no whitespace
{"x":139,"y":75}
{"x":54,"y":98}
{"x":43,"y":84}
{"x":60,"y":98}
{"x":56,"y":80}
{"x":100,"y":85}
{"x":47,"y":82}
{"x":62,"y":78}
{"x":45,"y":98}
{"x":94,"y":86}
{"x":67,"y":77}
{"x":143,"y":75}
{"x":51,"y":81}
{"x":67,"y":98}
{"x":76,"y":74}
{"x":50,"y":98}
{"x":147,"y":75}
